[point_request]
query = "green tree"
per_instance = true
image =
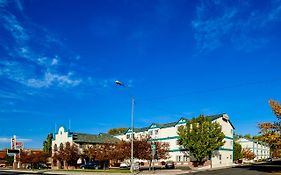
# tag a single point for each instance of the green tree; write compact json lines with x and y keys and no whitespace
{"x":115,"y":131}
{"x":248,"y":136}
{"x":237,"y":152}
{"x":9,"y":159}
{"x":200,"y":137}
{"x":47,"y":144}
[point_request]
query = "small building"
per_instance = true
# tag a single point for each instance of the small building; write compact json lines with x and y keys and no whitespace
{"x":260,"y":149}
{"x":82,"y":141}
{"x":168,"y":133}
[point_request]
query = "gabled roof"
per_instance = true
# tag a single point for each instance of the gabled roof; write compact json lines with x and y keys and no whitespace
{"x":214,"y":117}
{"x":253,"y":140}
{"x":182,"y":120}
{"x":93,"y":139}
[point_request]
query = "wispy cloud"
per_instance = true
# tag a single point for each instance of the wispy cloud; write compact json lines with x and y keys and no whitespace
{"x":51,"y":79}
{"x":240,"y":25}
{"x":24,"y":63}
{"x":5,"y":139}
{"x":8,"y":140}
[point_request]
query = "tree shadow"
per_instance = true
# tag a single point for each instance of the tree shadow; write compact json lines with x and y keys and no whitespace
{"x":270,"y":167}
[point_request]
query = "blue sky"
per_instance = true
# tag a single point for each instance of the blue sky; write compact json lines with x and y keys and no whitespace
{"x":59,"y":61}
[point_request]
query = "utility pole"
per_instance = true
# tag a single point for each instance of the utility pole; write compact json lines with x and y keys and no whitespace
{"x":132,"y":142}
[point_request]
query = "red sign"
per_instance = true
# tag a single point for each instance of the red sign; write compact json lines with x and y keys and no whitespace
{"x":19,"y":145}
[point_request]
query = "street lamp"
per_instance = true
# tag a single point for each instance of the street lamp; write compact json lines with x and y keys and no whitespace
{"x":119,"y":83}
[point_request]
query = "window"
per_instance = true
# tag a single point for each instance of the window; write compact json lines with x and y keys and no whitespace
{"x":185,"y":158}
{"x":150,"y":132}
{"x":55,"y":147}
{"x":178,"y":158}
{"x":231,"y":131}
{"x":128,"y":136}
{"x":230,"y":156}
{"x":156,"y":132}
{"x":220,"y":157}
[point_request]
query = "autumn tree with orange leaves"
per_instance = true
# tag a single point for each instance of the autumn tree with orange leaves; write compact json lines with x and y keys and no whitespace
{"x":121,"y":151}
{"x":248,"y":154}
{"x":271,"y":132}
{"x":33,"y":157}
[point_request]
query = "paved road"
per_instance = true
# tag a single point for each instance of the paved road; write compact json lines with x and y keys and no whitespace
{"x":273,"y":168}
{"x":258,"y":169}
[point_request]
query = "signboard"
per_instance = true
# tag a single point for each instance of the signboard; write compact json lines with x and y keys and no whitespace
{"x":13,"y":151}
{"x":19,"y":145}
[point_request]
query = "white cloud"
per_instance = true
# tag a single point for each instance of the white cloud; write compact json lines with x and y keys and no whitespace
{"x":51,"y":79}
{"x":8,"y":140}
{"x":15,"y":27}
{"x":5,"y":140}
{"x":54,"y":61}
{"x":219,"y":22}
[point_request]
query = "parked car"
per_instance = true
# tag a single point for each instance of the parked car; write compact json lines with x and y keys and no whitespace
{"x":269,"y":159}
{"x":90,"y":165}
{"x":38,"y":166}
{"x":170,"y":165}
{"x":124,"y":165}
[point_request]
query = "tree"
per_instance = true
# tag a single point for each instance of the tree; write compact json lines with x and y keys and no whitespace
{"x":271,"y":131}
{"x":47,"y":144}
{"x":248,"y":154}
{"x":115,"y":131}
{"x":104,"y":154}
{"x":143,"y":149}
{"x":237,"y":152}
{"x":33,"y":157}
{"x":9,"y":159}
{"x":247,"y":136}
{"x":200,"y":137}
{"x":69,"y":153}
{"x":276,"y":108}
{"x":276,"y":153}
{"x":270,"y":135}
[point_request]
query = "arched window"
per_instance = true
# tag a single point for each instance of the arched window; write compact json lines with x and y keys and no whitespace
{"x":55,"y":147}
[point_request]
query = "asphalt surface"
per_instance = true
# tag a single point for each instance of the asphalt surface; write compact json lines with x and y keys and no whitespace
{"x":257,"y":169}
{"x":273,"y":168}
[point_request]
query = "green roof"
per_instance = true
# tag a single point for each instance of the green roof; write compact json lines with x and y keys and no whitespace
{"x":94,"y":139}
{"x":172,"y":124}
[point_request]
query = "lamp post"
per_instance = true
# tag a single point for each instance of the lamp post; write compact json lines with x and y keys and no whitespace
{"x":119,"y":83}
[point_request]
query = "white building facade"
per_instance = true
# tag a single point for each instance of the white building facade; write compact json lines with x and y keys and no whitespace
{"x":260,"y":149}
{"x":82,"y":141}
{"x":168,"y":133}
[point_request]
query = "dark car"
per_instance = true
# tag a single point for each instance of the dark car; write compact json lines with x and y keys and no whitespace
{"x":170,"y":165}
{"x":90,"y":165}
{"x":38,"y":166}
